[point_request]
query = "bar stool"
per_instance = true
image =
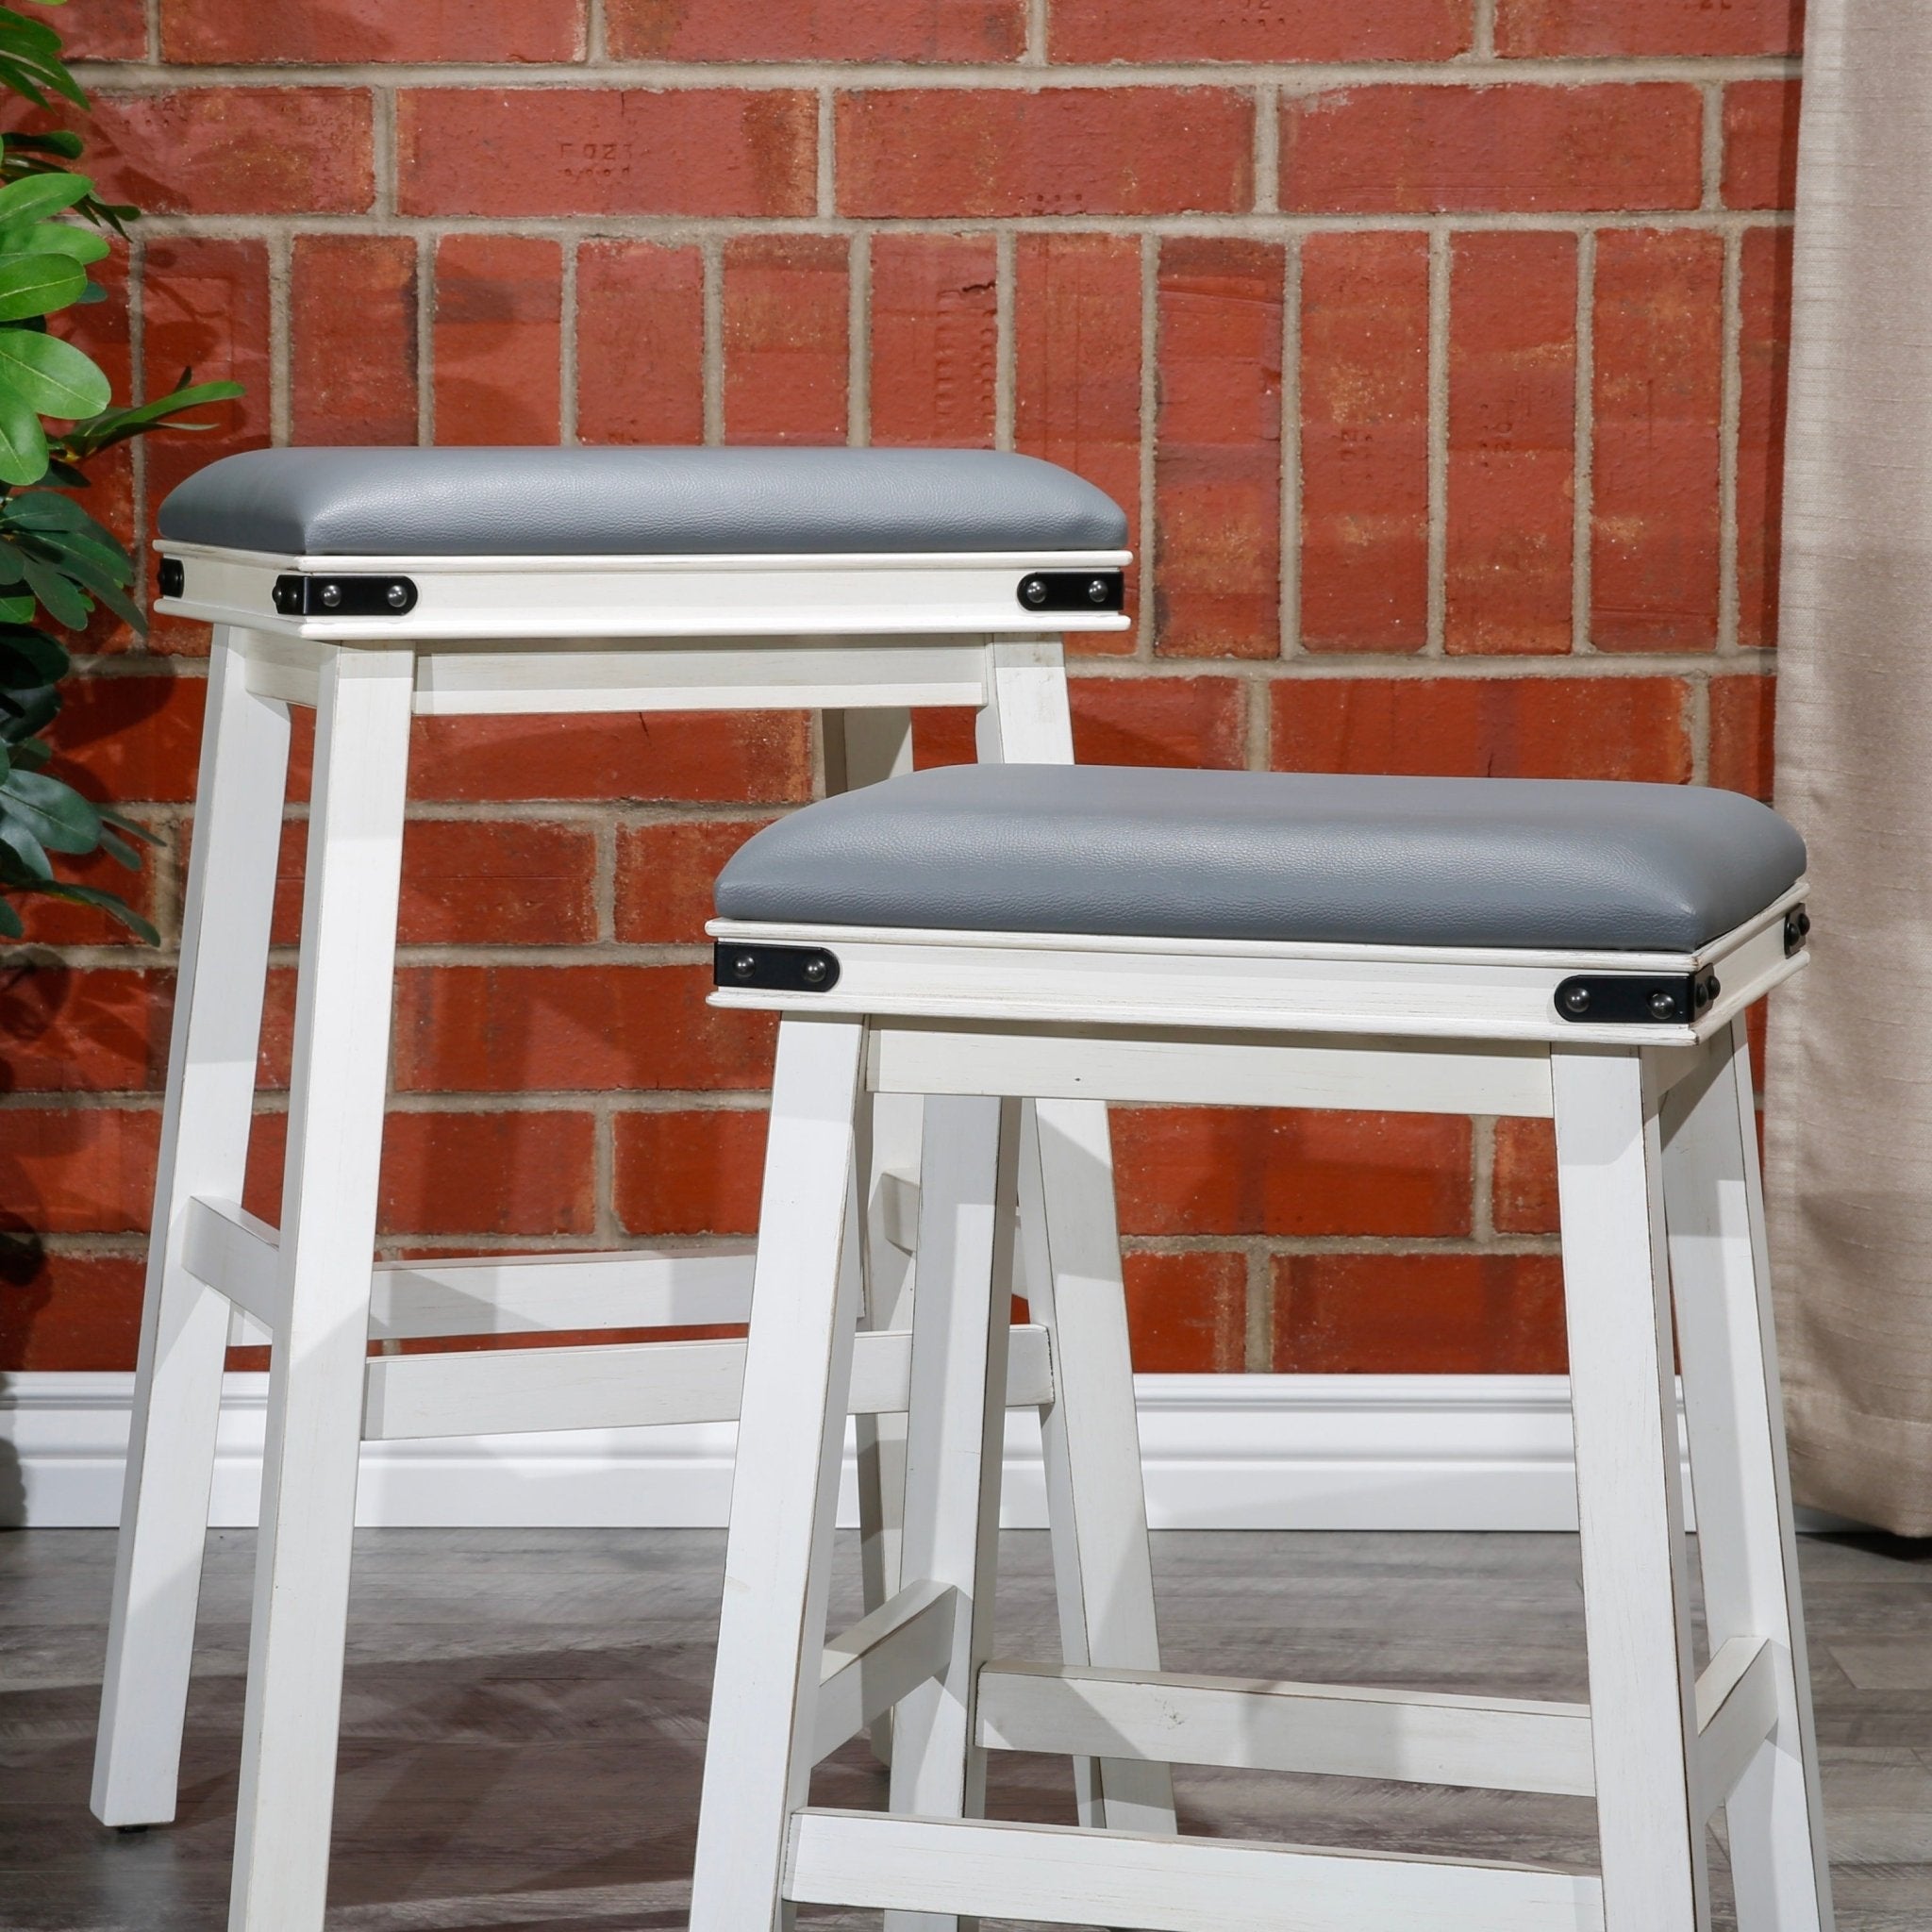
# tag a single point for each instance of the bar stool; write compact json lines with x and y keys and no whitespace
{"x":375,"y":585}
{"x":1584,"y":952}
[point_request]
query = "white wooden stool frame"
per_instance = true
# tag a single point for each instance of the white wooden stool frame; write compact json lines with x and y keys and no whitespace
{"x":1660,"y":1190}
{"x":862,"y":639}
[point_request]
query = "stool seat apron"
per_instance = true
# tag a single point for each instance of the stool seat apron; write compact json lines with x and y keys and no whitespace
{"x":1561,"y":864}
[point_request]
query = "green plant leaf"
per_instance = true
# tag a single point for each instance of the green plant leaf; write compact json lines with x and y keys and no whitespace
{"x":61,"y":597}
{"x":23,"y":459}
{"x":54,"y":812}
{"x":10,"y":927}
{"x":34,"y":197}
{"x":49,"y":376}
{"x":100,"y":573}
{"x":123,"y":824}
{"x":38,"y":284}
{"x":67,"y":237}
{"x":53,"y":141}
{"x":45,"y":509}
{"x":16,"y":609}
{"x":110,"y":903}
{"x":17,"y":840}
{"x":30,"y":657}
{"x":117,"y":426}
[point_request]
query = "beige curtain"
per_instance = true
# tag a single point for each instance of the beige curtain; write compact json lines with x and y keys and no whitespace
{"x":1850,"y":1081}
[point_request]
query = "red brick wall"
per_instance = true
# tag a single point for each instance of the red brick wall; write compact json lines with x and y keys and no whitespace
{"x":1434,"y":346}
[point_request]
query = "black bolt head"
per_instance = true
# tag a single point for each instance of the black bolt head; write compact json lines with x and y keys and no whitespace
{"x":1804,"y":922}
{"x":1096,"y":591}
{"x":396,"y":596}
{"x":743,"y":966}
{"x":1712,"y":987}
{"x":1663,"y":1006}
{"x":331,"y":595}
{"x":1034,"y":591}
{"x":813,"y":972}
{"x":1576,"y":999}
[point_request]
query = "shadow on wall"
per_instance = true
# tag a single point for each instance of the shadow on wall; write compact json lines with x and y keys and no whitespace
{"x":23,"y":1293}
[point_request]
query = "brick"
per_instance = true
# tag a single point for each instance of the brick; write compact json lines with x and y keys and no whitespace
{"x":964,"y":152}
{"x":640,"y":343}
{"x":55,"y":922}
{"x":1512,"y":441}
{"x":1743,"y":715}
{"x":1764,"y":351}
{"x":205,"y":309}
{"x":665,"y":873}
{"x":482,"y":1029}
{"x":106,"y":30}
{"x":480,"y":882}
{"x":1217,"y":479}
{"x":1524,"y":1190}
{"x":739,"y":757}
{"x":1419,"y":1314}
{"x":1365,"y":443}
{"x":356,"y":31}
{"x":499,"y":338}
{"x":352,"y":347}
{"x":461,"y":1173}
{"x":1191,"y":1170}
{"x":67,"y":1029}
{"x":1188,"y":1314}
{"x":688,"y":1172}
{"x":72,"y":1312}
{"x":1159,"y":721}
{"x":1761,"y":145}
{"x":1076,"y":379}
{"x":1430,"y":149}
{"x":1260,"y":30}
{"x":1486,"y":727}
{"x":130,"y":739}
{"x":785,"y":339}
{"x":1658,"y":404}
{"x":935,"y":341}
{"x":607,"y":151}
{"x":921,"y":31}
{"x":1557,"y":28}
{"x":234,"y":150}
{"x":80,"y":1170}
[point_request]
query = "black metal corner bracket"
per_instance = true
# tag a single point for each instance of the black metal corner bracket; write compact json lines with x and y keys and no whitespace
{"x":1074,"y":589}
{"x":344,"y":596}
{"x":1635,"y":999}
{"x":775,"y":969}
{"x":172,"y":577}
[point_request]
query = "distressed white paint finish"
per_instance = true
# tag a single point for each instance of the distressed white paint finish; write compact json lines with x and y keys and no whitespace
{"x":1157,"y":1065}
{"x":1105,"y":982}
{"x":329,"y":1232}
{"x":1064,"y":1875}
{"x":479,"y":598}
{"x":1735,"y":1418}
{"x":884,"y":1656}
{"x":1636,"y":1589}
{"x":805,"y":1311}
{"x":631,"y":1385}
{"x":1256,"y":1725}
{"x":204,"y":1147}
{"x":962,"y":1316}
{"x":1737,"y":1711}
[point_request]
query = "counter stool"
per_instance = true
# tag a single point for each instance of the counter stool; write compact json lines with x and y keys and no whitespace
{"x":377,"y":585}
{"x":1579,"y":951}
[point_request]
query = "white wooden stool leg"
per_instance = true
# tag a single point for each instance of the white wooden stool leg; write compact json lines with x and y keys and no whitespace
{"x":184,"y":1331}
{"x":1636,"y":1592}
{"x":1096,"y":1500}
{"x":797,"y":1378}
{"x":866,"y":748}
{"x":1745,"y":1542}
{"x":957,"y":1425}
{"x":329,"y":1232}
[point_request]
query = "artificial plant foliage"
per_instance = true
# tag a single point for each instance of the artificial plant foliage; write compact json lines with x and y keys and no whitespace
{"x":57,"y":560}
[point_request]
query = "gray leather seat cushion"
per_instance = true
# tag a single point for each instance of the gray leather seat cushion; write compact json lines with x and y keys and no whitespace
{"x":1272,"y":855}
{"x":637,"y":501}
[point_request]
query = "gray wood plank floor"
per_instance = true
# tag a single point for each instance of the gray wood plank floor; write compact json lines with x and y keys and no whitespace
{"x":523,"y":1717}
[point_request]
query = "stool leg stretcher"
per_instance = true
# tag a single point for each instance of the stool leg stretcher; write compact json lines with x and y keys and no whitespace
{"x":1657,"y":1177}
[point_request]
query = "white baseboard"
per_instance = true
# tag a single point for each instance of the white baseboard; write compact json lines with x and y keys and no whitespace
{"x":1222,"y":1451}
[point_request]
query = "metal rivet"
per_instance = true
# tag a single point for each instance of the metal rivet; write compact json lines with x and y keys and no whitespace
{"x":1034,"y":591}
{"x":396,"y":596}
{"x":1576,"y":999}
{"x":744,"y":965}
{"x":1700,"y":993}
{"x":1097,"y":591}
{"x":813,"y":972}
{"x":1804,"y":922}
{"x":331,"y":595}
{"x":1712,"y":987}
{"x":1663,"y":1006}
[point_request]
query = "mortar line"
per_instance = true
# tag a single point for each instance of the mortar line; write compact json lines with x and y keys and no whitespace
{"x":425,"y":338}
{"x":1035,"y":52}
{"x":280,"y":384}
{"x":383,"y":150}
{"x":1697,"y":725}
{"x":1290,"y":451}
{"x":1483,"y":31}
{"x":1257,"y":1338}
{"x":826,"y":171}
{"x":1267,"y":159}
{"x":1583,"y":490}
{"x":711,"y":253}
{"x":1439,"y":267}
{"x":1482,"y":1178}
{"x":1144,"y":637}
{"x":597,"y":35}
{"x":567,"y":345}
{"x":1714,"y":145}
{"x":1004,"y":402}
{"x":858,"y":344}
{"x":1730,"y":407}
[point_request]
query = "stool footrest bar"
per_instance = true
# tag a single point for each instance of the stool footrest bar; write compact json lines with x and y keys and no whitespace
{"x":883,"y":1657}
{"x":627,"y":1385}
{"x":1063,"y":1874}
{"x":1737,"y":1710}
{"x":1254,"y":1724}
